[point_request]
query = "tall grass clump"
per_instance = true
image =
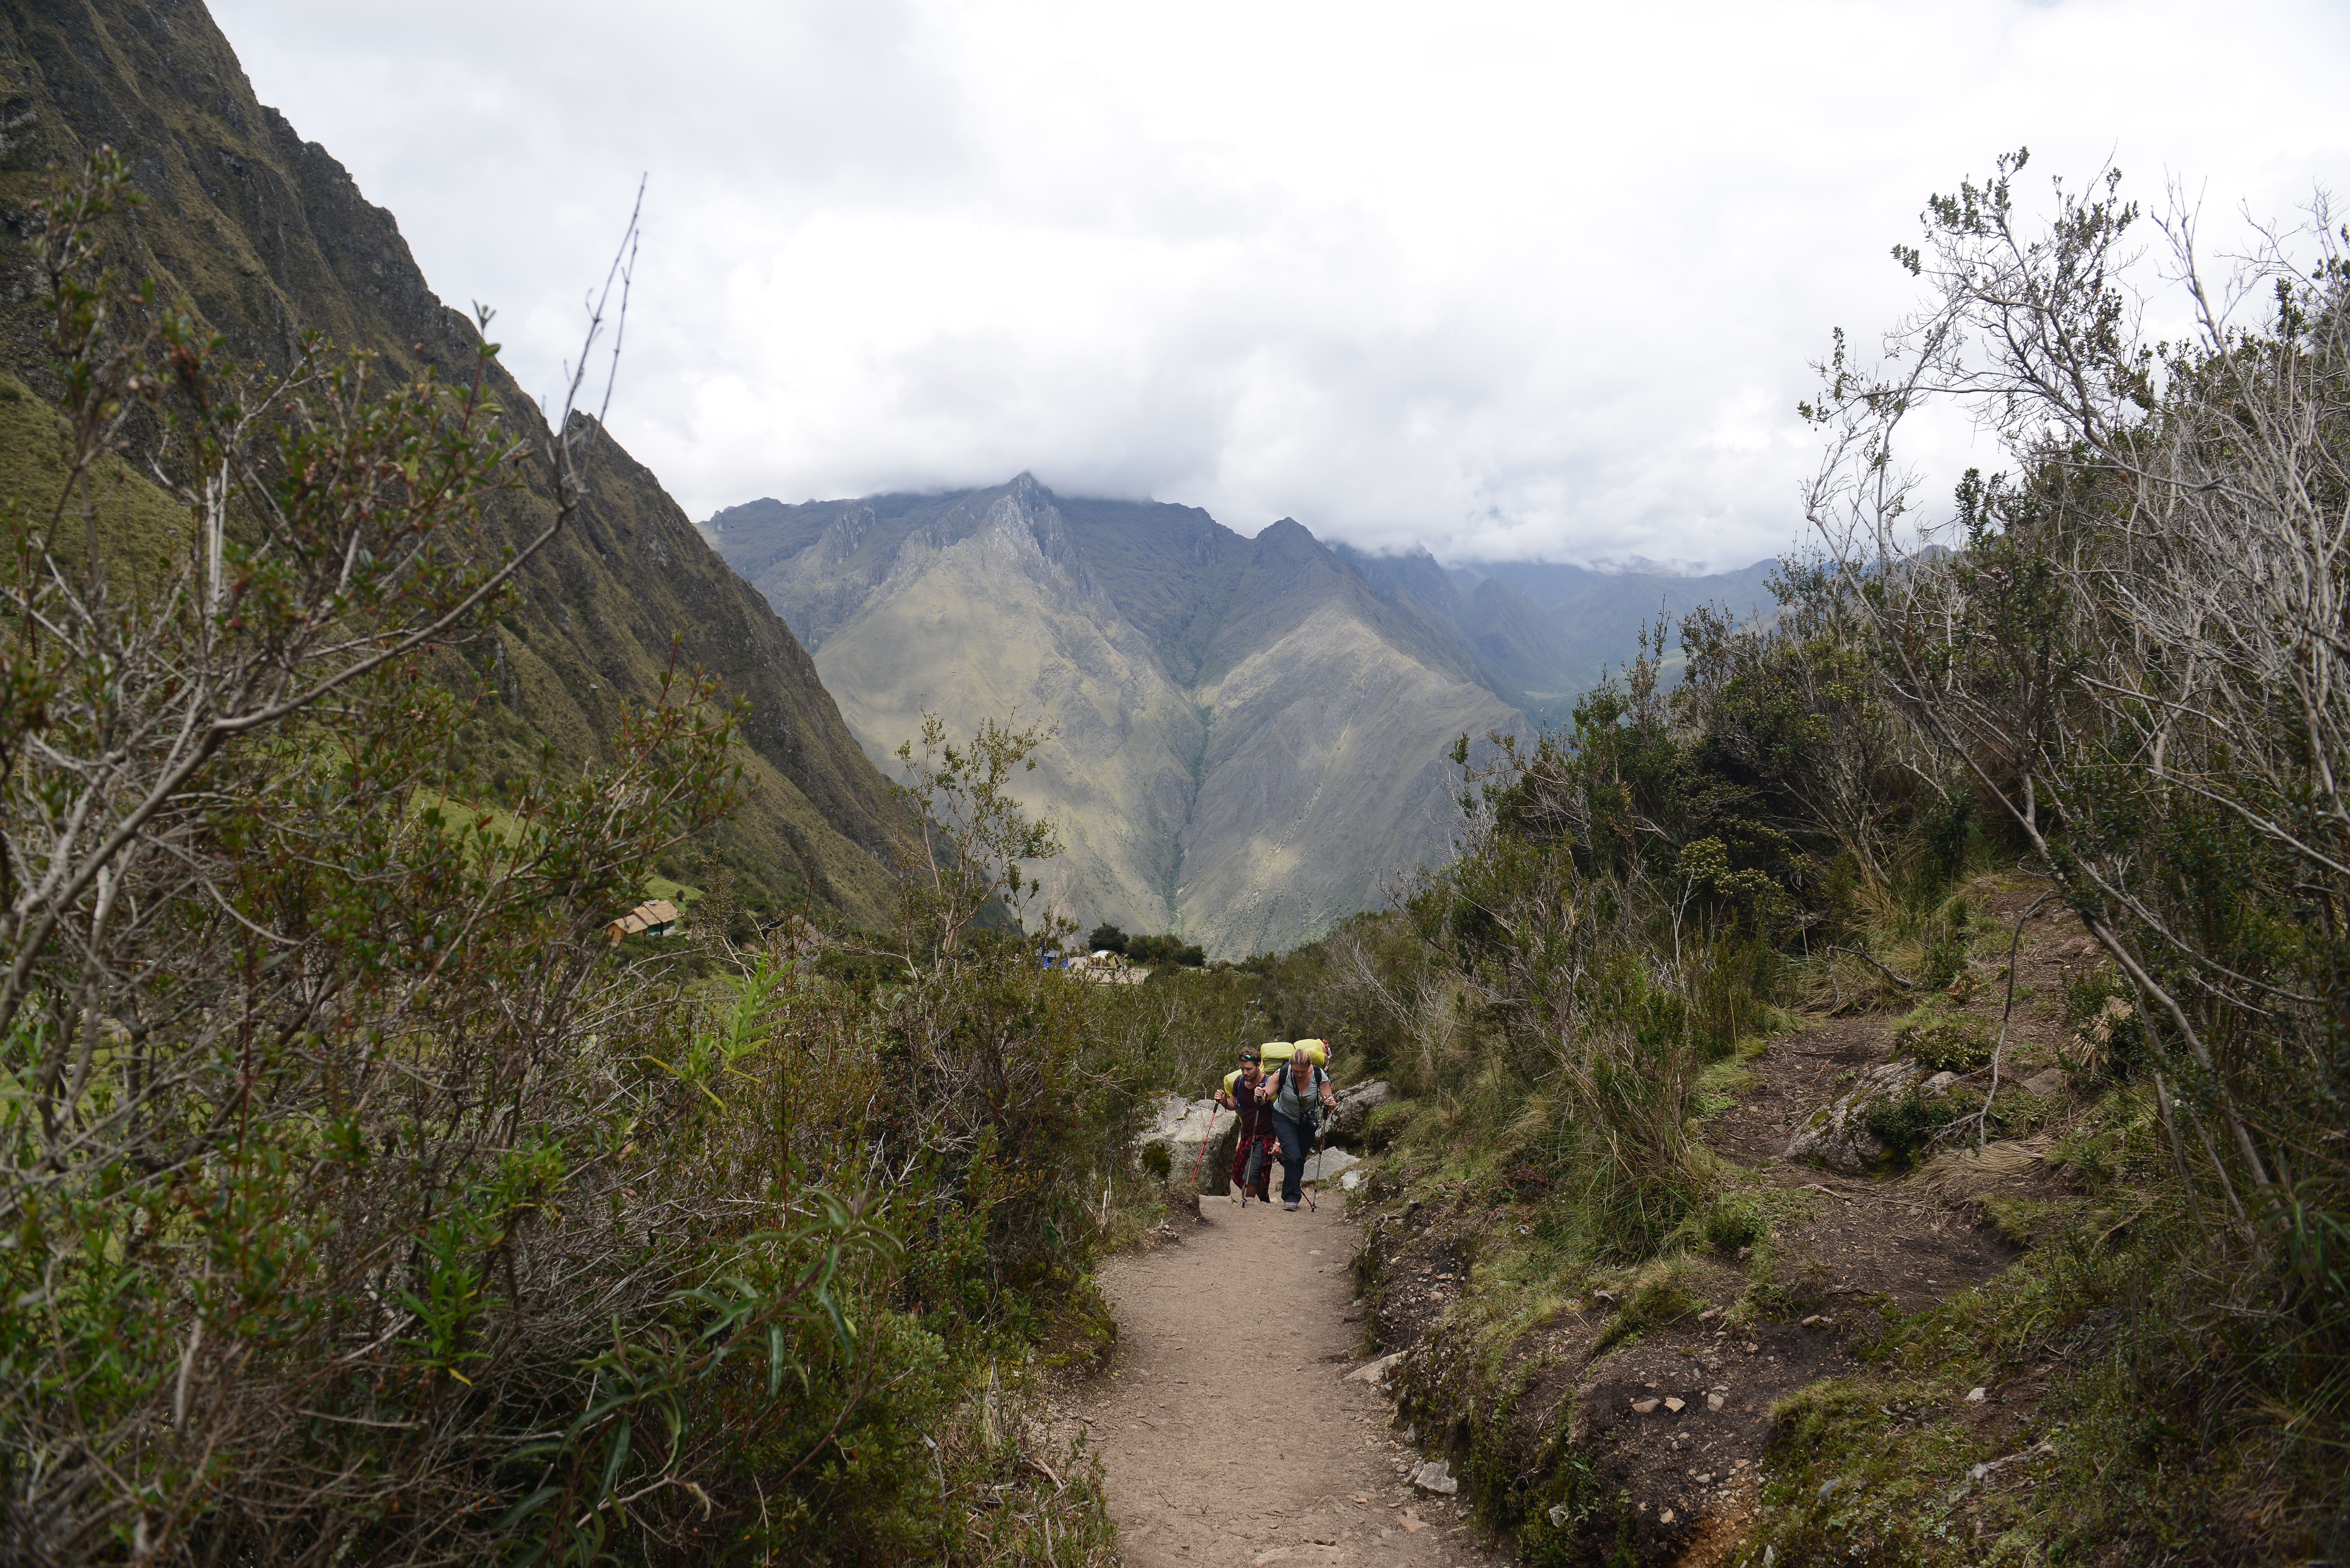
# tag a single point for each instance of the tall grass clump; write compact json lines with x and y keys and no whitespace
{"x":1611,"y":925}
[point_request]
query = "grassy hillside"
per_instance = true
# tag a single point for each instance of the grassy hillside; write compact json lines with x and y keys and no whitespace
{"x":1881,"y":1100}
{"x":363,"y":1201}
{"x":1777,"y":1226}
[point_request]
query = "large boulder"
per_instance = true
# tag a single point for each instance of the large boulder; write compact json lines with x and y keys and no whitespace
{"x":1198,"y":1138}
{"x":1329,"y":1165}
{"x":1839,"y":1136}
{"x":1352,"y":1125}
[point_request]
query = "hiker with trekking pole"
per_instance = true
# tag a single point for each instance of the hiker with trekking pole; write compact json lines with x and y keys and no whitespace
{"x":1252,"y":1149}
{"x":1299,"y":1097}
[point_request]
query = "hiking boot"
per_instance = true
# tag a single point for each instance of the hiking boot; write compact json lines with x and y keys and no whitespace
{"x":1288,"y":1207}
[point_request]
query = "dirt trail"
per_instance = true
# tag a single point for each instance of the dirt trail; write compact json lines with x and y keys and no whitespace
{"x":1225,"y":1423}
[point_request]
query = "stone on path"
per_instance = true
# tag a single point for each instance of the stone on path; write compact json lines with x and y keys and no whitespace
{"x":1837,"y":1135}
{"x":1435,"y":1476}
{"x":1330,"y":1165}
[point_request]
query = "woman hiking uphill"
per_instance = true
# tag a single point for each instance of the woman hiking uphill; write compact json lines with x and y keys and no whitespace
{"x":1239,"y":1096}
{"x":1297,"y":1098}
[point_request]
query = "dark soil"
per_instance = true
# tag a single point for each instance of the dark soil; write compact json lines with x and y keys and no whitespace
{"x":1796,"y":1075}
{"x":1883,"y":1242}
{"x":1702,"y":1461}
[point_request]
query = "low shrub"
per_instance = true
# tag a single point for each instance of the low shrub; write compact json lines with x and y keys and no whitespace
{"x":2108,"y":1037}
{"x":1946,"y":1041}
{"x":1735,"y":1221}
{"x":1907,"y":1125}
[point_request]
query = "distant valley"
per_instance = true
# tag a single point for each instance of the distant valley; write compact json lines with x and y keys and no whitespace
{"x":1252,"y":732}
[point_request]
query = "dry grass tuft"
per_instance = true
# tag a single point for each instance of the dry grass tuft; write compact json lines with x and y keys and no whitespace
{"x":1964,"y":1172}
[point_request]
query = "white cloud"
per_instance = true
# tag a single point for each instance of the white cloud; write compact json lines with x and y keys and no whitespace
{"x":1506,"y":279}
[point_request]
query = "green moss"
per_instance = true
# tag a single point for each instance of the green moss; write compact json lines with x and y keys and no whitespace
{"x":1907,"y":1124}
{"x":1390,"y":1122}
{"x":1735,"y":1220}
{"x":1720,"y":1081}
{"x":2023,"y":1222}
{"x":1660,"y":1296}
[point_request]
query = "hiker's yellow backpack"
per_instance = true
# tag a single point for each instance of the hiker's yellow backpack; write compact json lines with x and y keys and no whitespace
{"x":1280,"y":1051}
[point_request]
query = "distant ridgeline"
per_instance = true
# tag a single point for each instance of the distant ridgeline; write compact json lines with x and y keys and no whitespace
{"x":266,"y":235}
{"x":1251,"y":732}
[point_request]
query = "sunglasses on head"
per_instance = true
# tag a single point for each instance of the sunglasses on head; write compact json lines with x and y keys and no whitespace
{"x":1248,"y":1057}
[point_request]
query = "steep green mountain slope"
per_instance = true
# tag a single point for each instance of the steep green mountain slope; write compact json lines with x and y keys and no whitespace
{"x":1249,"y":736}
{"x":266,"y":235}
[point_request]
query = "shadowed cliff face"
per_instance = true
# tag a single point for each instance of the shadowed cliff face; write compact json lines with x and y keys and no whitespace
{"x":266,"y":235}
{"x":1250,"y":737}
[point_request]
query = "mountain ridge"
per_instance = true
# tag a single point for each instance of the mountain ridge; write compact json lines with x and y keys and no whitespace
{"x":1249,"y":736}
{"x":264,"y":234}
{"x":1251,"y":730}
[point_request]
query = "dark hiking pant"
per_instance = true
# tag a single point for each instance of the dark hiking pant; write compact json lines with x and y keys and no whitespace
{"x":1297,"y":1145}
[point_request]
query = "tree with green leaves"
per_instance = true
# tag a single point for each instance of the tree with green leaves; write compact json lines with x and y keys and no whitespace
{"x":967,"y":841}
{"x":2130,"y":644}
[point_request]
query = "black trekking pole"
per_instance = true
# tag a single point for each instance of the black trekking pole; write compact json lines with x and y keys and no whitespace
{"x":1321,"y":1123}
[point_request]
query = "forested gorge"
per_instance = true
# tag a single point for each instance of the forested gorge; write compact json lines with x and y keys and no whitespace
{"x":364,"y":1202}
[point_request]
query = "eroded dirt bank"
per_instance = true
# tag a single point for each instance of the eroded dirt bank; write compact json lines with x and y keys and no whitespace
{"x":1658,"y":1409}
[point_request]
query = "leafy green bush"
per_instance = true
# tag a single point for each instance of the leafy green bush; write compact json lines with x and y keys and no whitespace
{"x":1946,"y":1041}
{"x":1155,"y":950}
{"x":364,"y":1200}
{"x":1907,"y":1125}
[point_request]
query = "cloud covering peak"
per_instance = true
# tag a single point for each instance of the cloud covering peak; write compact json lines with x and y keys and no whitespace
{"x":1509,"y":280}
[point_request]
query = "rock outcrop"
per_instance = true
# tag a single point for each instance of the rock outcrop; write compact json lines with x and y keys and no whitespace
{"x":1350,"y":1127}
{"x":1198,"y":1138}
{"x":1838,"y":1134}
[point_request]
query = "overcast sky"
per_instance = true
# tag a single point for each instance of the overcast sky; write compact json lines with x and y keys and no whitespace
{"x":1522,"y":280}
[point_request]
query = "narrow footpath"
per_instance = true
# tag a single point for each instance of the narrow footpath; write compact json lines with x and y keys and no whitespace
{"x":1226,"y":1423}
